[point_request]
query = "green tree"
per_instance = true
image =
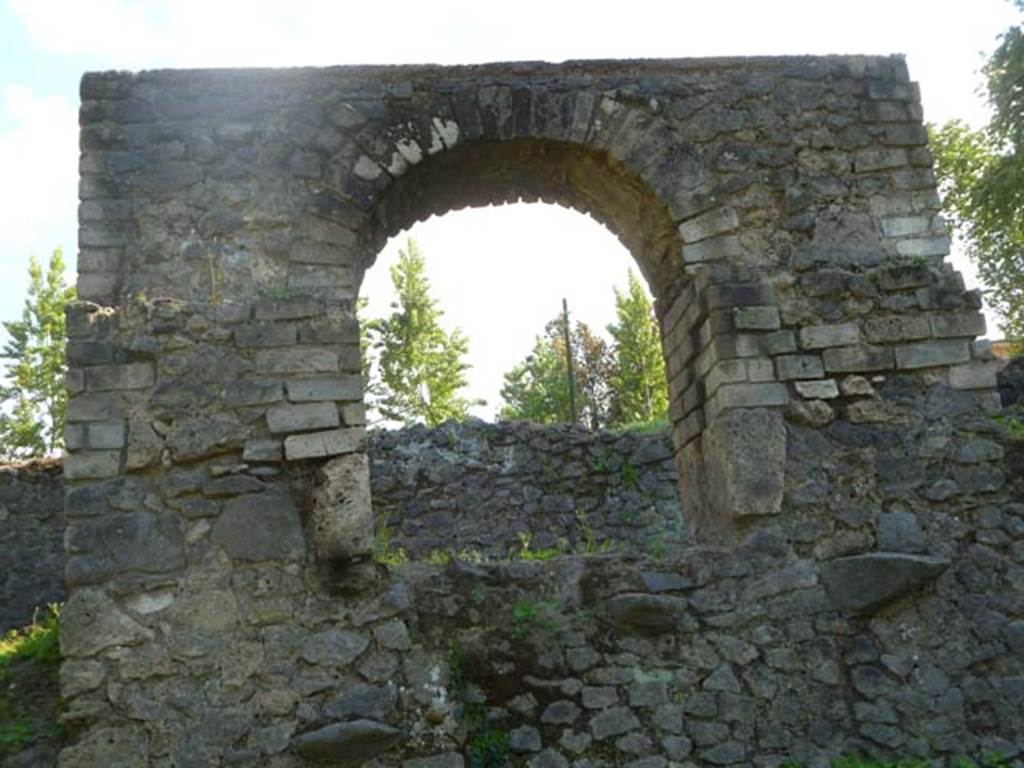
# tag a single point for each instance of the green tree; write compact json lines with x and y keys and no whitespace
{"x":34,"y":394}
{"x":981,"y":176}
{"x":638,"y":375}
{"x":421,"y":368}
{"x":537,"y":388}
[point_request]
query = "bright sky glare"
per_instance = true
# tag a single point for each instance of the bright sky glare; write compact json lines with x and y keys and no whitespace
{"x":530,"y":256}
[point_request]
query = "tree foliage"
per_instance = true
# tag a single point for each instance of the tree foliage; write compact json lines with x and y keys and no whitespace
{"x":537,"y":389}
{"x":34,"y":394}
{"x":616,"y":385}
{"x":981,"y":176}
{"x":420,"y":368}
{"x":638,"y":375}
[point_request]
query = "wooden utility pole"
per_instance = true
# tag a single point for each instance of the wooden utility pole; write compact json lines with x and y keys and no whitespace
{"x":568,"y":361}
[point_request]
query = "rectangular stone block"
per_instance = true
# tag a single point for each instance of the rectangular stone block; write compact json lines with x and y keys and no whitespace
{"x":729,"y":295}
{"x":760,"y":369}
{"x":902,"y":226}
{"x":287,"y":309}
{"x":319,"y":444}
{"x":74,"y":381}
{"x":821,"y":336}
{"x":923,"y":247}
{"x":266,"y":335}
{"x":89,"y":465}
{"x":302,"y":418}
{"x":96,"y":406}
{"x":347,"y":387}
{"x":862,"y":358}
{"x":263,"y":450}
{"x":974,"y":375}
{"x":893,"y":328}
{"x":353,"y":414}
{"x":709,"y":224}
{"x":799,"y":367}
{"x":778,"y":343}
{"x":126,"y":376}
{"x":97,"y":286}
{"x":756,"y":318}
{"x":749,"y":396}
{"x":337,"y":279}
{"x":825,"y":389}
{"x":244,"y":392}
{"x":926,"y":354}
{"x":722,"y":247}
{"x":958,"y":324}
{"x":297,"y":360}
{"x":74,"y":436}
{"x":105,"y":435}
{"x":878,"y":159}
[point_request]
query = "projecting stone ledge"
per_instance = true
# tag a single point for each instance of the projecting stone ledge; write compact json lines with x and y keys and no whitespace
{"x":864,"y":583}
{"x":648,"y":613}
{"x":347,"y":744}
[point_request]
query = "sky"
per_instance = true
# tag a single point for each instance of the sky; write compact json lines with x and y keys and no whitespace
{"x":500,"y":273}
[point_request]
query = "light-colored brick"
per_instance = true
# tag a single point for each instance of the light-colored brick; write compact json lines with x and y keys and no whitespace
{"x":923,"y":247}
{"x":760,"y":369}
{"x":824,"y":389}
{"x":877,"y":159}
{"x":926,"y":354}
{"x":799,"y":367}
{"x":725,"y":372}
{"x":300,"y":418}
{"x":297,"y":360}
{"x":709,"y":224}
{"x":721,"y":247}
{"x":105,"y":435}
{"x":748,"y":396}
{"x":974,"y":375}
{"x":821,"y":336}
{"x":893,"y":328}
{"x":319,"y":444}
{"x":901,"y":226}
{"x":126,"y":376}
{"x":958,"y":324}
{"x":262,"y":450}
{"x":348,"y":387}
{"x":862,"y":358}
{"x":89,"y":465}
{"x":756,"y":318}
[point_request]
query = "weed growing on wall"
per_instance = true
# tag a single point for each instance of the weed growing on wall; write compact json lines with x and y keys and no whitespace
{"x":29,"y":663}
{"x":486,"y":746}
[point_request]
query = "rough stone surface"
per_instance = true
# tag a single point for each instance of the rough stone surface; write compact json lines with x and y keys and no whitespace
{"x":263,"y":526}
{"x":478,"y":488}
{"x":864,"y":583}
{"x":31,"y":541}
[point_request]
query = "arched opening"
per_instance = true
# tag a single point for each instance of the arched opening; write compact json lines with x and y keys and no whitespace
{"x":591,"y":181}
{"x":525,"y":473}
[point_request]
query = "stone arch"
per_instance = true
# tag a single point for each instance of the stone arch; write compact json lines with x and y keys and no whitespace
{"x":680,"y":259}
{"x":813,"y":330}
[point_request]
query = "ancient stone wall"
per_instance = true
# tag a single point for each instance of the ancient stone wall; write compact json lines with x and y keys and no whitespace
{"x":495,"y":491}
{"x":31,"y":540}
{"x":854,"y":580}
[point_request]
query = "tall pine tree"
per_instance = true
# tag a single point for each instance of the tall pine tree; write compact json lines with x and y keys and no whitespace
{"x":421,"y":367}
{"x":34,"y":394}
{"x":638,"y":375}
